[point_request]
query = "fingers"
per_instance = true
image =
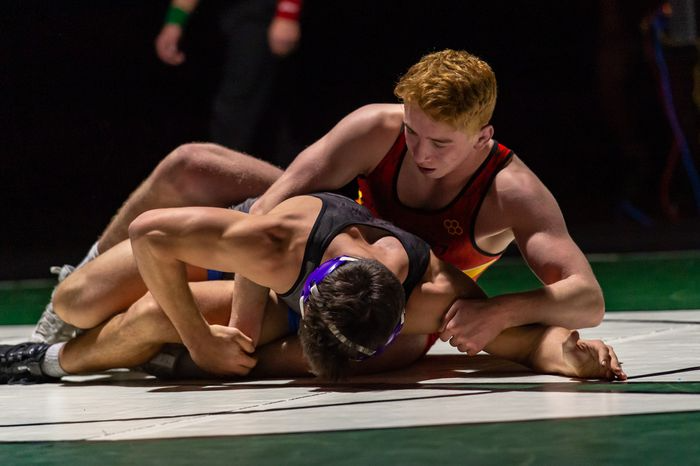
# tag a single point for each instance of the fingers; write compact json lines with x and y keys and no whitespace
{"x":449,"y":315}
{"x":615,"y":366}
{"x":609,"y":363}
{"x":172,"y":57}
{"x":167,"y":47}
{"x":245,"y":342}
{"x":468,"y":347}
{"x":246,"y":362}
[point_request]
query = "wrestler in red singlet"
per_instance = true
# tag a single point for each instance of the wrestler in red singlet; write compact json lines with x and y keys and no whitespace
{"x":449,"y":230}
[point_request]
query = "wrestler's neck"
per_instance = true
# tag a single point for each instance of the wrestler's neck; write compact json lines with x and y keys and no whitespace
{"x":370,"y":243}
{"x":434,"y":191}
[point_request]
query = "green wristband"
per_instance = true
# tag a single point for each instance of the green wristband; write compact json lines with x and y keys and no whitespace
{"x":176,"y":15}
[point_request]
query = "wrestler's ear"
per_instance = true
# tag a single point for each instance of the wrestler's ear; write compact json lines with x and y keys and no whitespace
{"x":484,"y":136}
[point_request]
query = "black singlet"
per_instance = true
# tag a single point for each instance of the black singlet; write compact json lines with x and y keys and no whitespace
{"x":337,"y":213}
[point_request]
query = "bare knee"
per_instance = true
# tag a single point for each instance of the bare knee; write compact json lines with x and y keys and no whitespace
{"x":71,"y":301}
{"x":181,"y":174}
{"x":209,"y":174}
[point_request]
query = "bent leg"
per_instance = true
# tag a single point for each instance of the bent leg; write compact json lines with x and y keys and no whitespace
{"x":196,"y":174}
{"x":104,"y":287}
{"x":134,"y":337}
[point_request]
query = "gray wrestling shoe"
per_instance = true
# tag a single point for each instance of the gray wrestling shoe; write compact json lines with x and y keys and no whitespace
{"x":50,"y":328}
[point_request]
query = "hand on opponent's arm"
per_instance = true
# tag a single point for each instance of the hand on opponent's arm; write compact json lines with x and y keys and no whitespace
{"x":570,"y":296}
{"x":470,"y":324}
{"x":224,"y":350}
{"x":163,"y":241}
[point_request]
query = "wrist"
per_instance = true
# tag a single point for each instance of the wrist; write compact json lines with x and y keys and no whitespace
{"x":288,"y":9}
{"x":176,"y":15}
{"x":195,"y":335}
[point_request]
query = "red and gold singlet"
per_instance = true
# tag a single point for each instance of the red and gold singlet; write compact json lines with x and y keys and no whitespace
{"x":450,"y":230}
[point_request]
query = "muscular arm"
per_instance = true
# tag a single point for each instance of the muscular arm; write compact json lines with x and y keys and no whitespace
{"x":353,"y":147}
{"x":164,"y":240}
{"x":247,"y":307}
{"x":547,"y":349}
{"x":570,"y":296}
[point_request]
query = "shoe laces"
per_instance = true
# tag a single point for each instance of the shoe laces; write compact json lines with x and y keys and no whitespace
{"x":62,"y":271}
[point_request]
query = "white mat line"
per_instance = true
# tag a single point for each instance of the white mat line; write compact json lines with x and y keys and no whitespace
{"x":653,"y":333}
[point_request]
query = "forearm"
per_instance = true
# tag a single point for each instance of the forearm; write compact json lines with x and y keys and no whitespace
{"x":572,"y":303}
{"x":177,"y":15}
{"x":288,"y":9}
{"x":248,"y":307}
{"x":166,"y":279}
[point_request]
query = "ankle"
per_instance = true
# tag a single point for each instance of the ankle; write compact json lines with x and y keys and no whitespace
{"x":51,"y":365}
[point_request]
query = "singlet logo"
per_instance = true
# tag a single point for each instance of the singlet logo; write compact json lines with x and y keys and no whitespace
{"x":452,"y":226}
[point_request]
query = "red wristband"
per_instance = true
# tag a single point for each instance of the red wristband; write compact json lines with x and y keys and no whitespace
{"x":288,"y":9}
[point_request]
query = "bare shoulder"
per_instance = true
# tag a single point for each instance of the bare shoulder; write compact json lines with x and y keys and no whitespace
{"x":379,"y":116}
{"x":516,"y":187}
{"x":365,"y":135}
{"x":375,"y":120}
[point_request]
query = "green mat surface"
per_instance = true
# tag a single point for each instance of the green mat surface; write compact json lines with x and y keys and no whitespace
{"x":662,"y":439}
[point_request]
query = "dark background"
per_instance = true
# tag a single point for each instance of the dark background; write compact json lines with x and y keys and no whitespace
{"x":87,"y":109}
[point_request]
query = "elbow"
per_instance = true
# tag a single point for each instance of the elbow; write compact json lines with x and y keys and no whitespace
{"x":147,"y":232}
{"x":143,"y":226}
{"x":139,"y":227}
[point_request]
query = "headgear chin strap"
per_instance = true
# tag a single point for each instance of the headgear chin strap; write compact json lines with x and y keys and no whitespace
{"x":310,"y":289}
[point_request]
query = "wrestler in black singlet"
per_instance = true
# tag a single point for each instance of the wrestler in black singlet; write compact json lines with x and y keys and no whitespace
{"x":338,"y":213}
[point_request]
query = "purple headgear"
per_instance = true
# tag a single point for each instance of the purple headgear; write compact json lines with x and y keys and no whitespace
{"x":310,"y":289}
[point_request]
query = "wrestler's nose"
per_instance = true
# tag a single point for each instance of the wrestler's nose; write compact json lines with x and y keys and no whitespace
{"x":420,"y":154}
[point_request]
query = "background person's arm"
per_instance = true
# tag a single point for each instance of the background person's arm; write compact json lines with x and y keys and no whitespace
{"x":284,"y":31}
{"x":167,"y":43}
